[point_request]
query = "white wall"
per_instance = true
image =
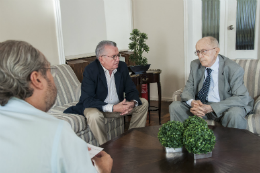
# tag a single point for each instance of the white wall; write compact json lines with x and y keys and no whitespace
{"x":83,"y":26}
{"x":163,"y":21}
{"x":118,"y":14}
{"x":31,"y":21}
{"x":258,"y":12}
{"x":86,"y":22}
{"x":194,"y":31}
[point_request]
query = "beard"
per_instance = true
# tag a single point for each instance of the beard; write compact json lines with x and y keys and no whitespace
{"x":51,"y":95}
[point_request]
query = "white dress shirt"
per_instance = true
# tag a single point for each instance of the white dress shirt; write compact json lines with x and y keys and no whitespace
{"x":213,"y":94}
{"x":33,"y":141}
{"x":112,"y":97}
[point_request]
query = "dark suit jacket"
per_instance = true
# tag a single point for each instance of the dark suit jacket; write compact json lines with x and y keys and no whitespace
{"x":94,"y":87}
{"x":232,"y":91}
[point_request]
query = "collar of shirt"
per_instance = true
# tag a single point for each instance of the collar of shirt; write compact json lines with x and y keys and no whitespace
{"x":112,"y":97}
{"x":106,"y":70}
{"x":215,"y":66}
{"x":213,"y":94}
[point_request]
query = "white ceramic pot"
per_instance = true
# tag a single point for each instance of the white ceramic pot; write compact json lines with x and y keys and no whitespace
{"x":173,"y":150}
{"x":202,"y":156}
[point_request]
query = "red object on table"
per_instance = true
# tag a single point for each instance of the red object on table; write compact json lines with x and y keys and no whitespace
{"x":144,"y":91}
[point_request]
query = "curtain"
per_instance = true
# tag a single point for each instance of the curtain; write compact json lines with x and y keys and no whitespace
{"x":245,"y":24}
{"x":210,"y":18}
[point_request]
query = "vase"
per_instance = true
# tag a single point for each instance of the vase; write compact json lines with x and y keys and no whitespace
{"x":202,"y":156}
{"x":173,"y":150}
{"x":139,"y":69}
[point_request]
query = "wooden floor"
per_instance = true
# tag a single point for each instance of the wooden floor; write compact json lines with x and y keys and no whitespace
{"x":165,"y":116}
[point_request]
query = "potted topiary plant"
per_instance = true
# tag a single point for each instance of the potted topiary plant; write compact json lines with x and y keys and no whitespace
{"x":138,"y":46}
{"x":171,"y":136}
{"x":198,"y":138}
{"x":194,"y":120}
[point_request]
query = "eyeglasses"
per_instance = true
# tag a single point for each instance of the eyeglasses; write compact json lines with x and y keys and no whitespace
{"x":113,"y":56}
{"x":203,"y":51}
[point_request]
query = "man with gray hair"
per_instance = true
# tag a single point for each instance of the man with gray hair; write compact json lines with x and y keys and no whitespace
{"x":105,"y":81}
{"x":32,"y":140}
{"x":215,"y":89}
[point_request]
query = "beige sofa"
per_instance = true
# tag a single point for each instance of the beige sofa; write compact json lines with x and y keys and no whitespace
{"x":252,"y":82}
{"x":69,"y":91}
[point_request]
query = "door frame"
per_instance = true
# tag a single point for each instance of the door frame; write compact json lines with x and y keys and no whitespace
{"x":59,"y":35}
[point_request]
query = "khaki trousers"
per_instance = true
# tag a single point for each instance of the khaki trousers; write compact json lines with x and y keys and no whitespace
{"x":95,"y":119}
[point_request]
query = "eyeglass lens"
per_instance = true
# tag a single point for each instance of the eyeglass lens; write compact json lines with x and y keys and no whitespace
{"x":115,"y":56}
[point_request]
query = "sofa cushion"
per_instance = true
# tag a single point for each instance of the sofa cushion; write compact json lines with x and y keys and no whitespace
{"x":251,"y":76}
{"x":253,"y":121}
{"x":67,"y":83}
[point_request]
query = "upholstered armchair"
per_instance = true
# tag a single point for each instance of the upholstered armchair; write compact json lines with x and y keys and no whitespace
{"x":252,"y":82}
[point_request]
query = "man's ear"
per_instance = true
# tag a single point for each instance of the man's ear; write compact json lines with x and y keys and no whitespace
{"x":217,"y":50}
{"x":37,"y":80}
{"x":100,"y":60}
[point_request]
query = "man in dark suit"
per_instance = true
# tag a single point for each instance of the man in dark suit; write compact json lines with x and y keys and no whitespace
{"x":215,"y":89}
{"x":105,"y":81}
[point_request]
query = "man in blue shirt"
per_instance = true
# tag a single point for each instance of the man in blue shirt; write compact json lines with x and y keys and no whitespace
{"x":30,"y":139}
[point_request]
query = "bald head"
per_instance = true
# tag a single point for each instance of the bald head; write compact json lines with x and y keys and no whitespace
{"x":207,"y":50}
{"x":211,"y":41}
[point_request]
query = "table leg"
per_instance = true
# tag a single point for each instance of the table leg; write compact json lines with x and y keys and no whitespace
{"x":160,"y":100}
{"x":148,"y":89}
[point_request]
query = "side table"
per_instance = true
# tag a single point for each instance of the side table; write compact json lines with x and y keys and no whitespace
{"x":151,"y":76}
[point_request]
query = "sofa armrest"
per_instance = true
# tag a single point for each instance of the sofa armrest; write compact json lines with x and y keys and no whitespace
{"x":253,"y":123}
{"x":177,"y":95}
{"x":256,"y":109}
{"x":78,"y":93}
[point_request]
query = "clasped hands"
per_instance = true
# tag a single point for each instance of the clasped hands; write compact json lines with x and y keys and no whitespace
{"x":124,"y":107}
{"x":199,"y":109}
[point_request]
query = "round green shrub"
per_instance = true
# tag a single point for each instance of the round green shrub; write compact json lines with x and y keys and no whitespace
{"x":171,"y":134}
{"x":198,"y":139}
{"x":195,"y":121}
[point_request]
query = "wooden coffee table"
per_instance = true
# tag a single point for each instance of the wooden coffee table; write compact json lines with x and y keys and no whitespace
{"x":139,"y":150}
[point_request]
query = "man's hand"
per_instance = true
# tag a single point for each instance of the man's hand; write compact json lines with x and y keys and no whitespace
{"x":196,"y":103}
{"x":103,"y":162}
{"x":198,"y":111}
{"x":123,"y":107}
{"x":131,"y":104}
{"x":201,"y":110}
{"x":207,"y":108}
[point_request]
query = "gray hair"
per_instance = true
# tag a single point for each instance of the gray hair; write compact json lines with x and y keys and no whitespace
{"x":18,"y":60}
{"x":212,"y":41}
{"x":101,"y":45}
